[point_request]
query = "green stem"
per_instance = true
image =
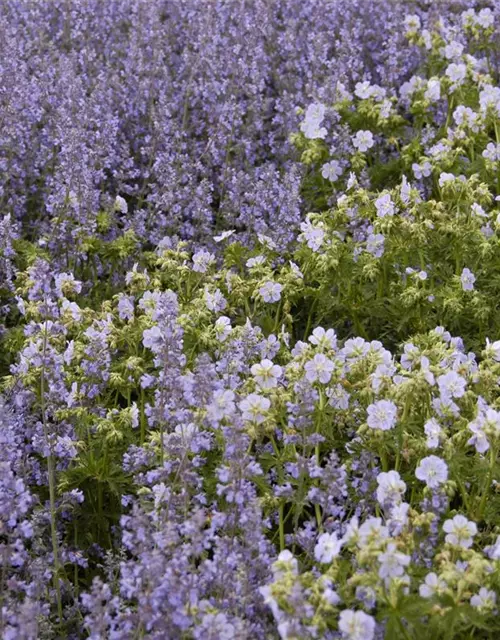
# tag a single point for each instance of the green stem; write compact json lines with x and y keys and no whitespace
{"x":487,"y":483}
{"x":52,"y":483}
{"x":282,"y":526}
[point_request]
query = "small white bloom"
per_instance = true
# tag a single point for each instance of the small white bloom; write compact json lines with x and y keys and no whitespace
{"x":433,"y":91}
{"x":327,"y":548}
{"x":356,"y":625}
{"x":384,"y":206}
{"x":451,"y":385}
{"x":266,"y":374}
{"x":254,"y":408}
{"x":390,"y":487}
{"x":222,"y":328}
{"x":222,"y":405}
{"x":121,"y":205}
{"x":485,"y":18}
{"x":202,"y":260}
{"x":319,"y":368}
{"x":460,"y":531}
{"x":224,"y":235}
{"x":256,"y":261}
{"x":433,"y":585}
{"x":444,"y":178}
{"x":363,"y":140}
{"x":412,"y":23}
{"x":375,"y":244}
{"x":324,"y":339}
{"x":372,"y":531}
{"x":313,"y":235}
{"x":392,"y":562}
{"x":493,"y":349}
{"x":423,"y":170}
{"x":433,"y":432}
{"x":485,"y":599}
{"x":331,"y":170}
{"x":270,"y":291}
{"x":382,"y":415}
{"x":453,"y":50}
{"x":456,"y":73}
{"x":433,"y":471}
{"x":467,"y":278}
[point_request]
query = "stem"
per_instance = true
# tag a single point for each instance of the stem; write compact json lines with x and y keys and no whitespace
{"x":52,"y":482}
{"x":142,"y":418}
{"x":487,"y":483}
{"x":282,"y":527}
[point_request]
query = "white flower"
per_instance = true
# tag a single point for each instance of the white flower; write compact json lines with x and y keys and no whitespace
{"x":485,"y":599}
{"x":363,"y":140}
{"x":427,"y":38}
{"x":478,"y":210}
{"x":254,"y":408}
{"x":390,"y":487}
{"x":392,"y":562}
{"x":453,"y":50}
{"x":224,"y":235}
{"x":465,"y":117}
{"x":433,"y":91}
{"x":327,"y":548}
{"x":485,"y":18}
{"x":493,"y":349}
{"x":352,"y":180}
{"x":423,"y":170}
{"x":319,"y":368}
{"x":456,"y":73}
{"x":445,"y":177}
{"x":372,"y":531}
{"x":314,"y":235}
{"x":363,"y":90}
{"x":433,"y":432}
{"x":266,"y":241}
{"x":266,"y":374}
{"x":323,"y":339}
{"x":331,"y":171}
{"x":479,"y":439}
{"x":460,"y":531}
{"x":256,"y":261}
{"x":202,"y":260}
{"x":356,"y":625}
{"x":384,"y":206}
{"x":467,"y":278}
{"x":375,"y":244}
{"x":65,"y":283}
{"x":215,"y":301}
{"x":222,"y":328}
{"x":433,"y":471}
{"x":295,"y":270}
{"x":270,"y":291}
{"x":382,"y":415}
{"x":405,"y":190}
{"x":433,"y":585}
{"x":489,"y":99}
{"x":71,"y":308}
{"x":222,"y":405}
{"x":399,"y":517}
{"x":492,"y":152}
{"x":121,"y":205}
{"x":412,"y":23}
{"x":311,"y":127}
{"x":451,"y":385}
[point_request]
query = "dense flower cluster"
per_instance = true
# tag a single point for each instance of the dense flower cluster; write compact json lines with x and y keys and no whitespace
{"x":250,"y":344}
